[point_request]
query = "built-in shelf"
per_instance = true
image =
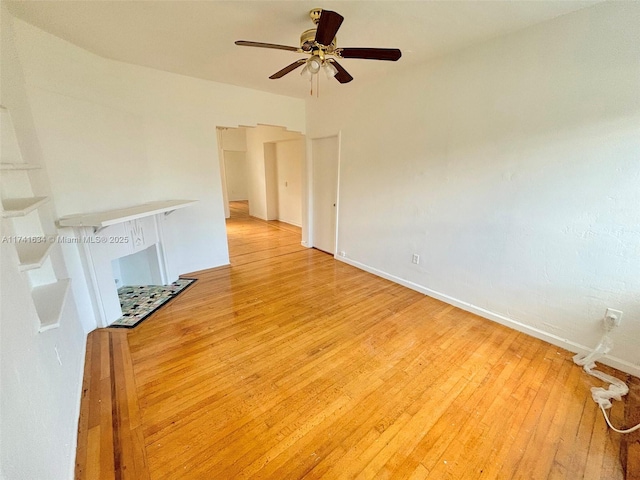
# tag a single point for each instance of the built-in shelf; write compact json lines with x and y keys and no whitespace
{"x":32,"y":255}
{"x":50,"y":294}
{"x":18,"y":166}
{"x":49,"y":301}
{"x":112,"y":217}
{"x":19,"y":207}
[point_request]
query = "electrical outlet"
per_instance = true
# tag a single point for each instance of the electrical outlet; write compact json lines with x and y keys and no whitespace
{"x":415,"y":259}
{"x":612,"y":318}
{"x":342,"y":253}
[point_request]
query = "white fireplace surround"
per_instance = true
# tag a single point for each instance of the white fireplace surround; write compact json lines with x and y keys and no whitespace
{"x":133,"y":233}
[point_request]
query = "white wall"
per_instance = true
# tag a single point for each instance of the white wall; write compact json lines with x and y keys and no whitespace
{"x":256,"y":138}
{"x":235,"y":165}
{"x":290,"y":157}
{"x":40,"y":373}
{"x":512,"y":169}
{"x":41,"y":383}
{"x":234,"y":139}
{"x":270,"y":180}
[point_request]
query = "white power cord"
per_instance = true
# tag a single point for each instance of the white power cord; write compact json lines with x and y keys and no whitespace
{"x":617,"y":388}
{"x":628,"y":430}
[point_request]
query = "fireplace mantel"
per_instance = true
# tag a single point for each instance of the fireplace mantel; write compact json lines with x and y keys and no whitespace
{"x":115,"y":236}
{"x":101,"y":220}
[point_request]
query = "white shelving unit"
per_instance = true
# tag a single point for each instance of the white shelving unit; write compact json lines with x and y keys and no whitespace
{"x":49,"y":301}
{"x":33,"y":255}
{"x":18,"y":166}
{"x":20,"y":211}
{"x":19,"y":207}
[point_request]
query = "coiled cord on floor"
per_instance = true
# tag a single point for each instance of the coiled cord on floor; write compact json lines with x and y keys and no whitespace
{"x":617,"y":388}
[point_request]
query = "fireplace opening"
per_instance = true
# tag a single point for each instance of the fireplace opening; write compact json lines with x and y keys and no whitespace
{"x":140,"y":268}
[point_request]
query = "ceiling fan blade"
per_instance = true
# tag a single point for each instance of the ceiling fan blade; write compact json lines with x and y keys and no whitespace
{"x":328,"y":26}
{"x":288,"y":69}
{"x":391,"y":54}
{"x":342,"y":76}
{"x":245,"y":43}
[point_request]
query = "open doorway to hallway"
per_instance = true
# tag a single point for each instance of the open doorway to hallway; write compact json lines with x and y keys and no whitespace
{"x":240,"y":211}
{"x":235,"y":166}
{"x":262,"y":171}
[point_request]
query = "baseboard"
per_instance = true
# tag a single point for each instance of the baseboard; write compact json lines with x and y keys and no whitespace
{"x":574,"y":347}
{"x":299,"y":225}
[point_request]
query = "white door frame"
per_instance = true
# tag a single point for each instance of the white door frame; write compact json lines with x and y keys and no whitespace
{"x":223,"y":173}
{"x":309,"y":242}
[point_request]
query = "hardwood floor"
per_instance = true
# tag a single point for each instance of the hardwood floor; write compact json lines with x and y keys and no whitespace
{"x":110,"y":439}
{"x":288,"y":364}
{"x":630,"y":454}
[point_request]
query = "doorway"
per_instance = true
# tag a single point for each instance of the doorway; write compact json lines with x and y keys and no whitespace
{"x":284,"y":180}
{"x":262,"y":171}
{"x":325,"y":167}
{"x":235,"y":166}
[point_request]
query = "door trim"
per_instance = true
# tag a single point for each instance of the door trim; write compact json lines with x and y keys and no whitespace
{"x":310,"y":192}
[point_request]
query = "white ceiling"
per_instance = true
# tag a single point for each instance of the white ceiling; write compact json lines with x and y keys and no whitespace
{"x":196,"y":38}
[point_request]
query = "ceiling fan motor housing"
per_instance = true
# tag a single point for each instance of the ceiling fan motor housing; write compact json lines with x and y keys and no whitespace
{"x":315,"y":15}
{"x":307,"y":40}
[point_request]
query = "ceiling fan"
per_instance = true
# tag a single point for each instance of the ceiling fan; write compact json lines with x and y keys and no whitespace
{"x":320,"y":44}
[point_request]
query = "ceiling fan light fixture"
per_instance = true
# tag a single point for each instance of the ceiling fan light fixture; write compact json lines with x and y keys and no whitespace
{"x":314,"y":64}
{"x":329,"y":69}
{"x":305,"y":71}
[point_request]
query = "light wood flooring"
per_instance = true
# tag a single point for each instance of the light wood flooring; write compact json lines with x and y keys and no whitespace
{"x":288,"y":364}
